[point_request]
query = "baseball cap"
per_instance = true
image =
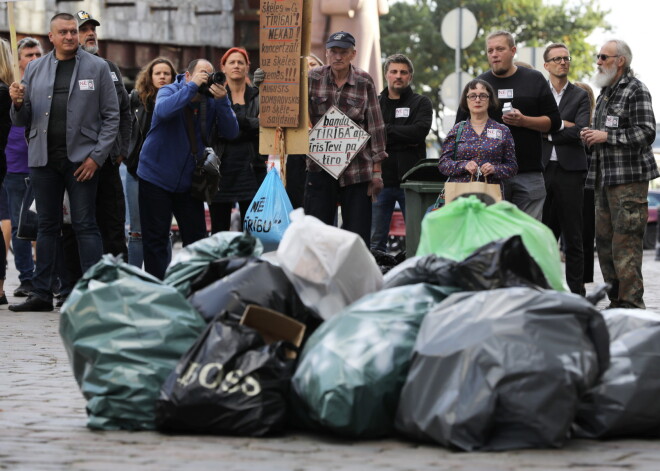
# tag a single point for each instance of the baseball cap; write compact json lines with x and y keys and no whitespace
{"x":83,"y":17}
{"x":341,"y":39}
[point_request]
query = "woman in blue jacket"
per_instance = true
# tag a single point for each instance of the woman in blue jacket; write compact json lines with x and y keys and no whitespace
{"x":166,"y":161}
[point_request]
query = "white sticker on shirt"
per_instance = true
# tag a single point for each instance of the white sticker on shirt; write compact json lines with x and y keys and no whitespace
{"x":612,"y":122}
{"x":86,"y":84}
{"x":505,"y":93}
{"x":494,"y":133}
{"x":114,"y":77}
{"x":402,"y":112}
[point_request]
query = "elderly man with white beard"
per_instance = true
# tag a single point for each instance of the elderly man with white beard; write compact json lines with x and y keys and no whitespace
{"x":622,"y":165}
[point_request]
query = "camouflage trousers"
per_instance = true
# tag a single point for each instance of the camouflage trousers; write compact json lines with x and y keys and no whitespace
{"x":621,"y":214}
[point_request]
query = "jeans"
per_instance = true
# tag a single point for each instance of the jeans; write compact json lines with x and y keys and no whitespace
{"x":156,"y":209}
{"x":49,"y":183}
{"x":527,"y":191}
{"x":15,"y":187}
{"x":381,"y":215}
{"x":111,"y":209}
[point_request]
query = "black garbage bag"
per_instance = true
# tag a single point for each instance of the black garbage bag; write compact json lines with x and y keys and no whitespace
{"x":502,"y":369}
{"x":229,"y":383}
{"x":218,"y":269}
{"x":384,"y":260}
{"x":624,"y":401}
{"x":498,"y":264}
{"x":260,"y":283}
{"x":352,"y":369}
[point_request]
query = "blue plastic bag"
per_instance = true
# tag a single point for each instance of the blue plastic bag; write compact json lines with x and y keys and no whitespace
{"x":268,"y":216}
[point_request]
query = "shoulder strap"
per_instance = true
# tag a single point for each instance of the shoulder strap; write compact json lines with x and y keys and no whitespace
{"x":190,"y":130}
{"x":459,"y":133}
{"x":202,"y":122}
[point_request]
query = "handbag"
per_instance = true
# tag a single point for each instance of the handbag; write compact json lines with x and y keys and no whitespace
{"x":206,"y":176}
{"x":489,"y":193}
{"x":28,"y":222}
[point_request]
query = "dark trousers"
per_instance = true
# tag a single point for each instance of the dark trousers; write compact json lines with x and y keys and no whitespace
{"x":157,"y":206}
{"x":296,"y":170}
{"x":562,"y":212}
{"x":221,"y":215}
{"x":49,"y":183}
{"x":111,"y":219}
{"x":323,"y":193}
{"x":588,"y":233}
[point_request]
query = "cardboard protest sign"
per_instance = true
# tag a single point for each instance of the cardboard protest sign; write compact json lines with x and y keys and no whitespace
{"x":280,"y":24}
{"x":335,"y":140}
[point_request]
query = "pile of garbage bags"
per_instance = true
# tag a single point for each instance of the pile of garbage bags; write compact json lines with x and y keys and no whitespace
{"x":473,"y":345}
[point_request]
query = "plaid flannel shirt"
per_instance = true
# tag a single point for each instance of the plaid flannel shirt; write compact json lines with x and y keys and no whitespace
{"x":625,"y":111}
{"x":359,"y":101}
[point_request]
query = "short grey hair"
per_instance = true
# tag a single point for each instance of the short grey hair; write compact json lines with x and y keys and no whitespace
{"x":28,"y":42}
{"x":398,"y":59}
{"x":623,"y":50}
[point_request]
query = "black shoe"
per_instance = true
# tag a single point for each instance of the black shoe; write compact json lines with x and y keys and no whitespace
{"x":23,"y":290}
{"x":3,"y":299}
{"x":60,"y":301}
{"x":32,"y":304}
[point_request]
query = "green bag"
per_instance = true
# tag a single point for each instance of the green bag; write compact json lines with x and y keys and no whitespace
{"x":193,"y":259}
{"x":354,"y":365}
{"x":124,"y":332}
{"x":458,"y":229}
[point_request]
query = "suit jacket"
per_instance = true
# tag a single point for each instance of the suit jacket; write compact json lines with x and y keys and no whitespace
{"x":92,"y":109}
{"x":574,"y":107}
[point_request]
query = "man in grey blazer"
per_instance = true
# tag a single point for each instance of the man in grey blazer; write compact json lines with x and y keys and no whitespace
{"x":68,"y":104}
{"x":565,"y":164}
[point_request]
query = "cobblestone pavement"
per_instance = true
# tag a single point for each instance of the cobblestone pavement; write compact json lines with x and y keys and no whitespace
{"x":42,"y":425}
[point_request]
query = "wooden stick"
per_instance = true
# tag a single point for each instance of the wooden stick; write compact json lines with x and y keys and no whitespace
{"x":14,"y":43}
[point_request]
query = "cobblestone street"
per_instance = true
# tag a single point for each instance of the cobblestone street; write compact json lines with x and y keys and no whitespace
{"x":42,"y":424}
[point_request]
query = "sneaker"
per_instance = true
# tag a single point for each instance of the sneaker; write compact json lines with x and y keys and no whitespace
{"x":3,"y":299}
{"x":24,"y":290}
{"x":32,"y":304}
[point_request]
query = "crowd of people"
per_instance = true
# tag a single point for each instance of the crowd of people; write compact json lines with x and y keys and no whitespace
{"x":579,"y":165}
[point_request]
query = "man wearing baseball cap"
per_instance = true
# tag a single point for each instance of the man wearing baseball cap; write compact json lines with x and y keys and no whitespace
{"x":110,"y":203}
{"x":352,"y":91}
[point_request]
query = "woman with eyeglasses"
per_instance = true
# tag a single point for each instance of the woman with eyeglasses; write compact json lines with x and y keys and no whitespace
{"x":484,"y":144}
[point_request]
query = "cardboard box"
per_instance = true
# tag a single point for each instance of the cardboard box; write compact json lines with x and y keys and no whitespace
{"x":273,"y":326}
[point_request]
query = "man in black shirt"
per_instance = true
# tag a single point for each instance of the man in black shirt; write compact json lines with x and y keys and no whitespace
{"x":407,"y":118}
{"x":534,"y":111}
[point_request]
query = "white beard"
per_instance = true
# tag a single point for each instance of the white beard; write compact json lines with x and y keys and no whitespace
{"x":91,"y":49}
{"x":605,"y":77}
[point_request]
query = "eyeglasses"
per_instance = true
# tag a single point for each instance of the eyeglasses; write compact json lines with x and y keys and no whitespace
{"x":557,"y":60}
{"x":603,"y":57}
{"x":481,"y":96}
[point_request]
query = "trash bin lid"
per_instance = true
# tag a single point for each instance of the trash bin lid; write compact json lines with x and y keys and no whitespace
{"x":425,"y":170}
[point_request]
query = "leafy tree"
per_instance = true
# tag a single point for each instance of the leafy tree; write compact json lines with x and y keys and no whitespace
{"x":412,"y":27}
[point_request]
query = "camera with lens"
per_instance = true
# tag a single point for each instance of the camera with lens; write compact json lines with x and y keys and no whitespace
{"x":216,"y":77}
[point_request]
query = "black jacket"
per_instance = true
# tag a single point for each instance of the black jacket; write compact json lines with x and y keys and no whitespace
{"x":141,"y":122}
{"x":406,"y":134}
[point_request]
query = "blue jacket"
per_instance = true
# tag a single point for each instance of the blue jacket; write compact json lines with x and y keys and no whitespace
{"x":166,"y":158}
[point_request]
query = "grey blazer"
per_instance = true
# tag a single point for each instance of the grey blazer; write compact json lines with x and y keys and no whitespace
{"x":574,"y":107}
{"x":93,"y":109}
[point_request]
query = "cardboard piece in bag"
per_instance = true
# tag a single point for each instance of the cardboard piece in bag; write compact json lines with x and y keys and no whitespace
{"x":274,"y":326}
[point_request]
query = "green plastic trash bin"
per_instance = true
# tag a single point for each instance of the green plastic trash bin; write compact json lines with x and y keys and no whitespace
{"x":422,"y":185}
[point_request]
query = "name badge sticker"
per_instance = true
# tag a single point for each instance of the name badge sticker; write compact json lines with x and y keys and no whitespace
{"x":612,"y":122}
{"x":494,"y":133}
{"x":114,"y":77}
{"x":506,"y":93}
{"x":87,"y":84}
{"x":402,"y":112}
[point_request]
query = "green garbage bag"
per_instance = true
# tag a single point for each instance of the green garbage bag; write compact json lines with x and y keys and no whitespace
{"x":193,"y":259}
{"x":466,"y":224}
{"x":353,"y":367}
{"x":124,"y":332}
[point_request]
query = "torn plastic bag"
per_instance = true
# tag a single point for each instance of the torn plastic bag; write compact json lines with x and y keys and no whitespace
{"x":498,"y":264}
{"x":229,"y":382}
{"x":193,"y":259}
{"x":124,"y":331}
{"x":329,"y":267}
{"x":353,"y":367}
{"x":260,"y":283}
{"x":624,"y":401}
{"x":218,"y":269}
{"x":502,"y":369}
{"x":458,"y":229}
{"x":268,"y":215}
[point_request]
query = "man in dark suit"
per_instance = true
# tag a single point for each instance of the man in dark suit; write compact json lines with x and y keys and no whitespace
{"x":565,"y":163}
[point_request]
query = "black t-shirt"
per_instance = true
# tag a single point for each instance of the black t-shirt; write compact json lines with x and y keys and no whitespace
{"x":57,"y":122}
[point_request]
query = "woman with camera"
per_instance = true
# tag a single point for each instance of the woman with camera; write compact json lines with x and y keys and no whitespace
{"x":483,"y":145}
{"x":242,"y":169}
{"x":156,"y":74}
